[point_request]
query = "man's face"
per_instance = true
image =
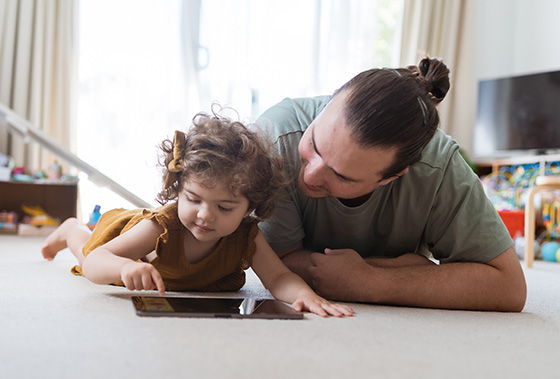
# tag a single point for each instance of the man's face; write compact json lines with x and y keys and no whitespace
{"x":333,"y":164}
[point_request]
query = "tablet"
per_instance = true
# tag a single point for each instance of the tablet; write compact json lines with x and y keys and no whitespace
{"x":154,"y":306}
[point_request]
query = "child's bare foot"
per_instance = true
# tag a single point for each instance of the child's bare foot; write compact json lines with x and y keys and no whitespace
{"x":57,"y":240}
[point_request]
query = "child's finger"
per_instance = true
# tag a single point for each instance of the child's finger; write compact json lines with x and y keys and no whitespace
{"x":348,"y":311}
{"x":158,"y":281}
{"x":318,"y":309}
{"x":297,"y":305}
{"x":332,"y":310}
{"x":344,"y":309}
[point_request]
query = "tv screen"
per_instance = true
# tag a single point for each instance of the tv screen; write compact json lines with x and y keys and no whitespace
{"x":517,"y":114}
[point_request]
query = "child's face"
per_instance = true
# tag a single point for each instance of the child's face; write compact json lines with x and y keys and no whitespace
{"x":210,"y":213}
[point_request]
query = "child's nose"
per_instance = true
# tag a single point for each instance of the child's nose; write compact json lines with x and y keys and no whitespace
{"x":206,"y":214}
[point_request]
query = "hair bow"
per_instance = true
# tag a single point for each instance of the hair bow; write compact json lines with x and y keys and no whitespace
{"x":175,"y":167}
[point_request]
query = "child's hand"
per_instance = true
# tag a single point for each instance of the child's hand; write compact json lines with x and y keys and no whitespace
{"x":142,"y":276}
{"x":318,"y":305}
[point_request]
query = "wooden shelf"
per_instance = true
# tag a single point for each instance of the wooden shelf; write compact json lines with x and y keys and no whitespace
{"x":495,"y":164}
{"x":58,"y":198}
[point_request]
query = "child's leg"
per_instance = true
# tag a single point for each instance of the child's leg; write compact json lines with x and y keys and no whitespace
{"x":70,"y":234}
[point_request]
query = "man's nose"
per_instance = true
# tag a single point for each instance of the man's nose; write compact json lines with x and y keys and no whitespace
{"x":314,"y":172}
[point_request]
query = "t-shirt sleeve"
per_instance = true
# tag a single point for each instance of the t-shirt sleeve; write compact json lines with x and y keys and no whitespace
{"x":463,"y":224}
{"x":286,"y":122}
{"x":291,"y":116}
{"x":284,"y":230}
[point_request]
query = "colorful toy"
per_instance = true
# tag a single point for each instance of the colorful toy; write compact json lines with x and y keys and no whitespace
{"x":8,"y":221}
{"x":94,"y":217}
{"x":550,"y":251}
{"x":519,"y":246}
{"x":38,"y":216}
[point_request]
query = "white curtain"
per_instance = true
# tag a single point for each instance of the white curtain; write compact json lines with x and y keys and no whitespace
{"x":190,"y":53}
{"x":443,"y":28}
{"x":37,"y":72}
{"x":259,"y":52}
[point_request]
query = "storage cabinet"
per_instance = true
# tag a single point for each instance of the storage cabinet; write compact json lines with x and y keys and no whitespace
{"x":58,"y":198}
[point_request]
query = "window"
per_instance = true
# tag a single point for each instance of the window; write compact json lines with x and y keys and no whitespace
{"x":146,"y":67}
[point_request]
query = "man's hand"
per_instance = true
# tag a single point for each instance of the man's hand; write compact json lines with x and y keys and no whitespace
{"x":339,"y":274}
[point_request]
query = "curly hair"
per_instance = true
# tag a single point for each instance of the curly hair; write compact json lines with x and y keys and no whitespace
{"x":218,"y":150}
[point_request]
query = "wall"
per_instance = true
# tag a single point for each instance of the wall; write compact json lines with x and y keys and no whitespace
{"x":516,"y":37}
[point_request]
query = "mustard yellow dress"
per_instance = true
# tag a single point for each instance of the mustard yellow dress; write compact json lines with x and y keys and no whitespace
{"x":222,"y":270}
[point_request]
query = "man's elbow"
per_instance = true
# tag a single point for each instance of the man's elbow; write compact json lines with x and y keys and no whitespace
{"x":518,"y":296}
{"x":511,"y":289}
{"x":514,"y":297}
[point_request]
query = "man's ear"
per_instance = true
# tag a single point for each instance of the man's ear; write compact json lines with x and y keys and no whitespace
{"x":396,"y":176}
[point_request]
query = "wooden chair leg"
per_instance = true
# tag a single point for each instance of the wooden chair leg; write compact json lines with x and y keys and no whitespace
{"x":543,"y":183}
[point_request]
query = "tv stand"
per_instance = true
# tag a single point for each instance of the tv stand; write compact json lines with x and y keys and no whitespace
{"x":486,"y":166}
{"x":542,"y":183}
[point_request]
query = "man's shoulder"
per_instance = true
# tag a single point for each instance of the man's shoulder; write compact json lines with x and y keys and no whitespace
{"x":442,"y":163}
{"x":440,"y":156}
{"x":292,"y":115}
{"x":439,"y":151}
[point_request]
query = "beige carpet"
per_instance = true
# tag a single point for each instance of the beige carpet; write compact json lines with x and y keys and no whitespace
{"x":56,"y":325}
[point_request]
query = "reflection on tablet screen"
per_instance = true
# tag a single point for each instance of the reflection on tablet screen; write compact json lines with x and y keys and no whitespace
{"x":213,"y":307}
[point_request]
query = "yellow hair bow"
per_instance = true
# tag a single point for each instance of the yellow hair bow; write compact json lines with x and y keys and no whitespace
{"x":175,"y":167}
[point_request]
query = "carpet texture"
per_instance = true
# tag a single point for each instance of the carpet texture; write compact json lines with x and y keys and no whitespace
{"x":56,"y":325}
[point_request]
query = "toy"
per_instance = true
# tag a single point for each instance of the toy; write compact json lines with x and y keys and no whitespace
{"x":55,"y":171}
{"x":549,"y":251}
{"x":519,"y":246}
{"x":550,"y":214}
{"x":8,"y":222}
{"x":38,"y":216}
{"x":94,"y":217}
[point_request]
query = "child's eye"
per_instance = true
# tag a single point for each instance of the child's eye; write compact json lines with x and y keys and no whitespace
{"x":191,"y":200}
{"x":224,"y":209}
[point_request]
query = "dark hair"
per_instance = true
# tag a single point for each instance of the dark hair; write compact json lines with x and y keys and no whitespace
{"x":396,"y":108}
{"x":218,"y":150}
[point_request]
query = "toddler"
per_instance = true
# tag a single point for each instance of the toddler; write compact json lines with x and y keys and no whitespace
{"x":219,"y":182}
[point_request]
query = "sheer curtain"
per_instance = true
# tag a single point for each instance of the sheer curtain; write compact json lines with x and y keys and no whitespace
{"x":152,"y":65}
{"x":133,"y":92}
{"x":254,"y":53}
{"x":37,"y":66}
{"x":443,"y":28}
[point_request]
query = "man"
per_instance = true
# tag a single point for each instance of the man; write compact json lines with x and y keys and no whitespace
{"x":378,"y":190}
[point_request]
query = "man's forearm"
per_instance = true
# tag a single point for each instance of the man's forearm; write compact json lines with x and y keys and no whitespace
{"x":298,"y":261}
{"x":409,"y":259}
{"x":498,"y":285}
{"x":467,"y":286}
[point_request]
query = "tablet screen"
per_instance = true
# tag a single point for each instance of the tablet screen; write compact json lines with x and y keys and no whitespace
{"x":213,"y":307}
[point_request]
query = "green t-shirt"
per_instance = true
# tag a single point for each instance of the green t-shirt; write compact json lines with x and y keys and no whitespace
{"x":437,"y":207}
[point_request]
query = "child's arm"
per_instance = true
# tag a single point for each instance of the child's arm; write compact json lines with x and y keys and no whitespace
{"x":118,"y":259}
{"x":287,"y":286}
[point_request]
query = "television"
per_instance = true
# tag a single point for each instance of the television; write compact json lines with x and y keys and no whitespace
{"x":518,"y":115}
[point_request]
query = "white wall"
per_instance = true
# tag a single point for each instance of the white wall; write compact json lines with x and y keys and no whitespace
{"x":516,"y":37}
